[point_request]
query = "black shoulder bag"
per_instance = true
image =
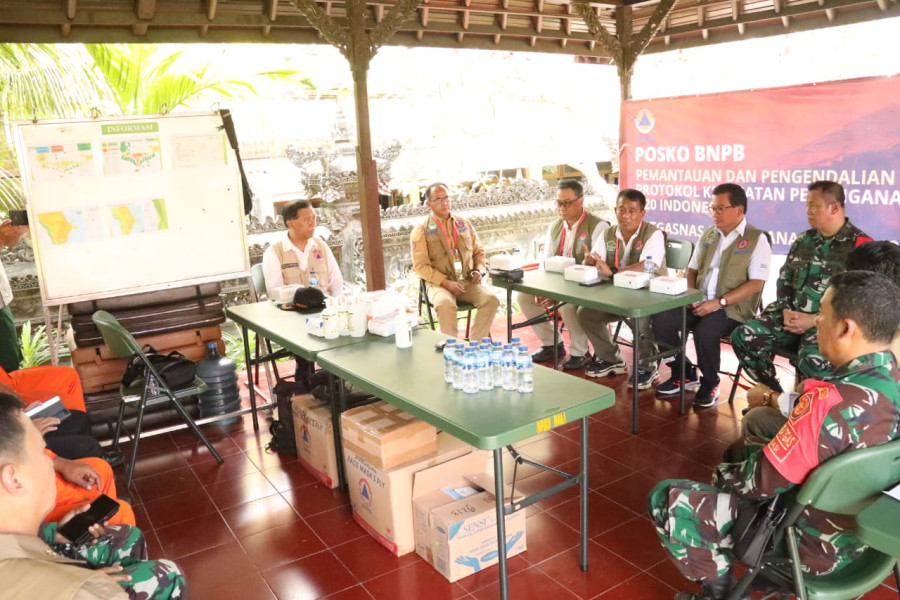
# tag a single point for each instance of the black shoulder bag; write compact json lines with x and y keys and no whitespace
{"x":175,"y":369}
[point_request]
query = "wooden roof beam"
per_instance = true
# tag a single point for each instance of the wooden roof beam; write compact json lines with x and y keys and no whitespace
{"x":735,"y":9}
{"x":496,"y":39}
{"x":145,"y":9}
{"x":211,"y":6}
{"x":379,"y":13}
{"x":701,"y":16}
{"x":567,"y":23}
{"x":882,"y":4}
{"x":465,"y":15}
{"x":777,"y":6}
{"x":829,"y":14}
{"x":70,"y":10}
{"x":503,"y":21}
{"x":272,"y":9}
{"x":65,"y":29}
{"x":423,"y":16}
{"x":139,"y":29}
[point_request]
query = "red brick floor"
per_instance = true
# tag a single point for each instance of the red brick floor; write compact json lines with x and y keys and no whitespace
{"x":260,"y":527}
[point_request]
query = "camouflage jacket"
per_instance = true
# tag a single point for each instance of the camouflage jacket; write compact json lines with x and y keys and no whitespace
{"x":810,"y":263}
{"x":858,"y":407}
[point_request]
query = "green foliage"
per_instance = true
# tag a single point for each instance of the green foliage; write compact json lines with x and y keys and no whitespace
{"x":11,"y":195}
{"x":234,"y":346}
{"x":35,"y":346}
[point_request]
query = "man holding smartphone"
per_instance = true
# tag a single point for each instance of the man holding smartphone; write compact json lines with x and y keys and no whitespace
{"x":10,"y":353}
{"x":38,"y":564}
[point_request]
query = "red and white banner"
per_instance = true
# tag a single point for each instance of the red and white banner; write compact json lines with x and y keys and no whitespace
{"x":774,"y":143}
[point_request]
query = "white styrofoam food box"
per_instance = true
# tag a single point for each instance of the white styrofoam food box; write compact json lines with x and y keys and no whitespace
{"x":580,"y":273}
{"x":283,"y":293}
{"x":668,"y":285}
{"x":507,"y":262}
{"x":558,"y":263}
{"x":634,"y":280}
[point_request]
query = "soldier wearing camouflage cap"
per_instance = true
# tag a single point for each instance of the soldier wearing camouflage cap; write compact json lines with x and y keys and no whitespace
{"x":788,"y":322}
{"x":857,"y":407}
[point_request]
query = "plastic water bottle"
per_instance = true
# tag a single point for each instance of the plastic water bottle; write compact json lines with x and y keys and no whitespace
{"x":497,"y":364}
{"x":508,"y":369}
{"x":486,"y":340}
{"x":459,"y":353}
{"x":449,"y":350}
{"x":470,"y":372}
{"x":649,"y":266}
{"x":485,"y":374}
{"x":516,"y":342}
{"x":313,"y":278}
{"x":524,"y":371}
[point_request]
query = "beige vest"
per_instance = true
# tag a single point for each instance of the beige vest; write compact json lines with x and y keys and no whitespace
{"x":643,"y":234}
{"x":440,"y":253}
{"x":583,"y":236}
{"x":733,"y":269}
{"x":318,"y":261}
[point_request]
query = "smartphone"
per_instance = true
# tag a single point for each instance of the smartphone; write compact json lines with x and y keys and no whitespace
{"x":50,"y":408}
{"x":76,"y":529}
{"x":18,"y":218}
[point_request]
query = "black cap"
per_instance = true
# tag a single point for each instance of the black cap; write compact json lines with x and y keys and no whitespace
{"x":306,"y":299}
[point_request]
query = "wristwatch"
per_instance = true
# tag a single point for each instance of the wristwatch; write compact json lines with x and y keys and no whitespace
{"x":614,"y":270}
{"x":723,"y":301}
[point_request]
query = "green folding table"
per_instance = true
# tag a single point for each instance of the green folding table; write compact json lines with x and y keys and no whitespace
{"x":629,"y":304}
{"x":412,"y":379}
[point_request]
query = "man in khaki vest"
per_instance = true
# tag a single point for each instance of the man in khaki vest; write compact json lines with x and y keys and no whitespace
{"x":446,"y":253}
{"x":573,"y":234}
{"x":730,"y":266}
{"x":623,"y":247}
{"x":293,"y":258}
{"x":31,"y":563}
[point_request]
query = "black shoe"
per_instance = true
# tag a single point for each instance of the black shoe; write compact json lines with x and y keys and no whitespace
{"x":706,"y":396}
{"x":716,"y":589}
{"x":546,"y":353}
{"x":602,"y":368}
{"x":114,"y":457}
{"x":577,"y":362}
{"x":673,"y":385}
{"x":646,"y":378}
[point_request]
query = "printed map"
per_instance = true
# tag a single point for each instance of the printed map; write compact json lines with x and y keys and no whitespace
{"x":70,"y":226}
{"x":61,"y":161}
{"x":140,"y":217}
{"x":127,"y":157}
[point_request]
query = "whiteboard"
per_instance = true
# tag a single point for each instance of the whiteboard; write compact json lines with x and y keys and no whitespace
{"x":131,"y":204}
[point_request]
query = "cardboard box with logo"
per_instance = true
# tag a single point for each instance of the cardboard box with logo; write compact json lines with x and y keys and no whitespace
{"x":386,"y":436}
{"x":314,"y":434}
{"x":382,"y":499}
{"x":455,"y":517}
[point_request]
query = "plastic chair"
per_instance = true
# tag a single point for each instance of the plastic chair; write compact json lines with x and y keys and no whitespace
{"x":460,"y":307}
{"x":147,"y":391}
{"x":844,"y":485}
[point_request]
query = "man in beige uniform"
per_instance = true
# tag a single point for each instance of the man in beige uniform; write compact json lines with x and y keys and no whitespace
{"x":446,"y":253}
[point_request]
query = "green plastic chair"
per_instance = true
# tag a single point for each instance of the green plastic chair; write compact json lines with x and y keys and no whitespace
{"x":845,"y":484}
{"x":678,"y":253}
{"x":460,"y":307}
{"x":148,"y":391}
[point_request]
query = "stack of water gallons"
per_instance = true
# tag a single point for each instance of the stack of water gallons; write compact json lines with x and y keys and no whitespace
{"x":222,"y":396}
{"x":481,"y":366}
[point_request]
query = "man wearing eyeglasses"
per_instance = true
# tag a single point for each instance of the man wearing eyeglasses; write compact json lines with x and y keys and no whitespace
{"x":573,"y":234}
{"x":730,"y":266}
{"x":624,"y":247}
{"x":789,"y":322}
{"x":447,"y":254}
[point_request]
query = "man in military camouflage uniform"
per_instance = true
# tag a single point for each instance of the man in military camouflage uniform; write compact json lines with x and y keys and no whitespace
{"x":857,"y":407}
{"x":788,"y":323}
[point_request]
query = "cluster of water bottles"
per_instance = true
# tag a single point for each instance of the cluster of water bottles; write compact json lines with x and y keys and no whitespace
{"x":482,"y":366}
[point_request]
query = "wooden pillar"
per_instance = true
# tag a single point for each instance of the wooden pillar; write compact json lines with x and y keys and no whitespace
{"x":625,"y":67}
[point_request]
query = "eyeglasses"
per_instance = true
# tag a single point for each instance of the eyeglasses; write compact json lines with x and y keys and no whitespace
{"x":718,"y":209}
{"x":567,"y":203}
{"x":443,"y":200}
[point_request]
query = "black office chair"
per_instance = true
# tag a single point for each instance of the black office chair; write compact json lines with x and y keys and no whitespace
{"x":147,"y":391}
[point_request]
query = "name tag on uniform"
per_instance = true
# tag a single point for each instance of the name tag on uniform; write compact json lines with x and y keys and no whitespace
{"x":290,"y":265}
{"x":457,"y":267}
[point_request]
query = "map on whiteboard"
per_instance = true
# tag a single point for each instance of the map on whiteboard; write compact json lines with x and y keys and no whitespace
{"x":127,"y":157}
{"x":70,"y":226}
{"x":139,"y":217}
{"x":61,"y":161}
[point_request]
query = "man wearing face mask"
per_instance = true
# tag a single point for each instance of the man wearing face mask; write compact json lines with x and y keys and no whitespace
{"x":447,"y":254}
{"x":789,"y":322}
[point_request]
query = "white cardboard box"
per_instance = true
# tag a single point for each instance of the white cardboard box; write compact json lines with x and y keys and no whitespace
{"x":382,"y":500}
{"x":668,"y":285}
{"x":315,"y":438}
{"x":456,"y":521}
{"x":634,"y":280}
{"x":558,"y":264}
{"x":580,"y":273}
{"x":507,"y":262}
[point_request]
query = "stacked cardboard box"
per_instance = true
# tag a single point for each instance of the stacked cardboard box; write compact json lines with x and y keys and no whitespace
{"x":314,"y":434}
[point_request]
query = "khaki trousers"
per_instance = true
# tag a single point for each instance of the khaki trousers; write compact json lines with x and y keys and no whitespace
{"x":444,"y":304}
{"x":578,"y":345}
{"x":596,"y":325}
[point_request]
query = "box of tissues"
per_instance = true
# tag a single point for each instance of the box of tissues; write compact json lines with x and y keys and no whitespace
{"x":283,"y":293}
{"x":668,"y":285}
{"x":633,"y":280}
{"x":580,"y":273}
{"x":507,"y":262}
{"x":558,"y":263}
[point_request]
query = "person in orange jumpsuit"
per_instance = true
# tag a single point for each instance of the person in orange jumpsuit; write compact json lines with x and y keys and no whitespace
{"x":79,"y":482}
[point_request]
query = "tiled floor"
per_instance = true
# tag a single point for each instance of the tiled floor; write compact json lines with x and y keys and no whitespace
{"x":260,"y":527}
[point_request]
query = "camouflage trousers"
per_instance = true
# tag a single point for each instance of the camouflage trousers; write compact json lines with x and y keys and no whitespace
{"x":125,"y":545}
{"x":756,"y":341}
{"x":693,"y":521}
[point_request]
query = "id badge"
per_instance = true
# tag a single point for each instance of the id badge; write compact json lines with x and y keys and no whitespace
{"x":457,"y":268}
